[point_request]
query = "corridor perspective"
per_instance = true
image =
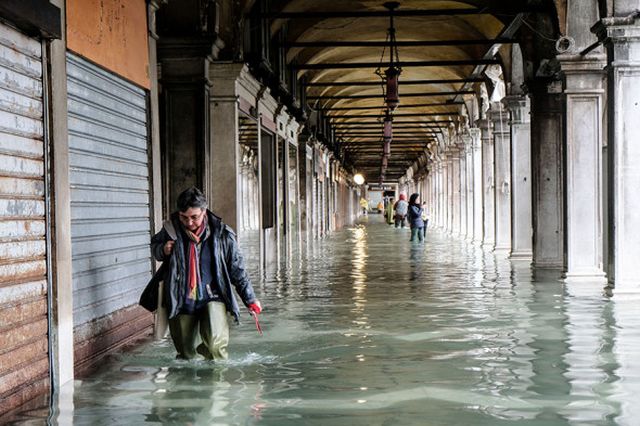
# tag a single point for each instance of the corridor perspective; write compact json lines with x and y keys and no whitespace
{"x":369,"y":329}
{"x":302,"y":131}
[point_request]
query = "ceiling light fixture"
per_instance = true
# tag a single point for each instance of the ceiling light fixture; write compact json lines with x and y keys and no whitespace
{"x":390,"y":80}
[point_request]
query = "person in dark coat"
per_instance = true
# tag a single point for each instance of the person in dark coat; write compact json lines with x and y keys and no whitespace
{"x":201,"y":264}
{"x":415,"y":217}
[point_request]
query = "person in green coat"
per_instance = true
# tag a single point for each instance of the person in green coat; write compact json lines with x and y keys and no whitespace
{"x":389,"y":211}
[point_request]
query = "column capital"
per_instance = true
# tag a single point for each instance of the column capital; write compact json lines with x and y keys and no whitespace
{"x":519,"y":107}
{"x":484,"y":124}
{"x":615,"y":28}
{"x":583,"y":74}
{"x":476,"y":137}
{"x":500,"y":119}
{"x":467,"y":142}
{"x":453,"y":152}
{"x":621,"y":36}
{"x":153,"y":6}
{"x":579,"y":64}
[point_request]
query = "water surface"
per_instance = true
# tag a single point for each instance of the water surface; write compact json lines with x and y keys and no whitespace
{"x":366,"y":328}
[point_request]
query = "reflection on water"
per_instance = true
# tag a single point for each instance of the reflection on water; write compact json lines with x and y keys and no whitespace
{"x":366,"y":329}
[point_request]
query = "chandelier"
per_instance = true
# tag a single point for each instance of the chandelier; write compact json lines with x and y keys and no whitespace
{"x":390,"y":86}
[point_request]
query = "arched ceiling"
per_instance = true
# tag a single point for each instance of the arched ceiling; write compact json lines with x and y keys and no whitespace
{"x":451,"y":42}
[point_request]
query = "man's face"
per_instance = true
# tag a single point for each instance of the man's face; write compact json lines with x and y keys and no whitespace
{"x":192,"y":218}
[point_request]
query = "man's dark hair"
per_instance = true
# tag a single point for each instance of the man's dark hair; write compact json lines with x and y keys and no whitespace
{"x":191,"y":197}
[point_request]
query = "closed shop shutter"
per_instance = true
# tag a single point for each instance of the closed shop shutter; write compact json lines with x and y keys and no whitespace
{"x":110,"y":201}
{"x":24,"y":364}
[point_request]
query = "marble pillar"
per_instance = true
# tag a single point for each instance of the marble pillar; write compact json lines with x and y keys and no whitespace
{"x":476,"y":144}
{"x":463,"y":190}
{"x":585,"y":92}
{"x":468,"y":144}
{"x":455,"y":191}
{"x":488,"y":185}
{"x":224,"y":184}
{"x":449,"y":193}
{"x":521,"y":217}
{"x":621,"y":37}
{"x":502,"y":172}
{"x":440,"y":184}
{"x":547,"y":175}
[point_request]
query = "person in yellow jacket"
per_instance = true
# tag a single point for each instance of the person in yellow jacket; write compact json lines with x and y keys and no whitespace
{"x":365,"y":205}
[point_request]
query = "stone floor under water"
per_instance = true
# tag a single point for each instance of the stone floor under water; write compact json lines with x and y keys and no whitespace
{"x":366,"y":328}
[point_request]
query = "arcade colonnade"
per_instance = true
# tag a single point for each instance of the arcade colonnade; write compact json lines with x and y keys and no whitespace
{"x":546,"y":175}
{"x":106,"y":115}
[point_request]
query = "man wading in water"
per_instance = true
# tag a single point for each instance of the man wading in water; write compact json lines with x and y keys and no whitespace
{"x":201,"y":263}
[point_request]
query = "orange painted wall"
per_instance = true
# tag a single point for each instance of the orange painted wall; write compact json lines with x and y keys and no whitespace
{"x":111,"y":33}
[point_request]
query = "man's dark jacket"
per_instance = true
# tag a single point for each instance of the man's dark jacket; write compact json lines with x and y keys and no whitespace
{"x":226,"y":262}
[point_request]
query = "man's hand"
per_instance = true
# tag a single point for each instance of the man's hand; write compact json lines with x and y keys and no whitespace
{"x":255,"y":307}
{"x":168,"y":246}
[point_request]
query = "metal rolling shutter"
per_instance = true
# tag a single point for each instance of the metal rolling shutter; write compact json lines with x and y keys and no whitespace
{"x":24,"y":364}
{"x":110,"y":195}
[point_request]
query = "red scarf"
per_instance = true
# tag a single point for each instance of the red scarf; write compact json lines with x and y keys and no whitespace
{"x":193,"y":260}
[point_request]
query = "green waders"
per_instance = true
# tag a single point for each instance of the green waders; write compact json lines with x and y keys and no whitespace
{"x":206,"y":332}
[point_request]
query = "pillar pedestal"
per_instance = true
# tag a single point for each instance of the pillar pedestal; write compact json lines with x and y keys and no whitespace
{"x":621,"y":37}
{"x":488,"y":185}
{"x":547,"y":174}
{"x":455,"y":191}
{"x":476,"y":147}
{"x":584,"y":91}
{"x":521,"y":217}
{"x":468,"y":150}
{"x":502,"y":170}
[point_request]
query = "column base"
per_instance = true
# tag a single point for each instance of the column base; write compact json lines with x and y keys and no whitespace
{"x":624,"y":290}
{"x":501,"y":252}
{"x":548,"y":265}
{"x":594,"y":275}
{"x":546,"y":274}
{"x":488,"y":245}
{"x":586,"y":288}
{"x":521,"y":255}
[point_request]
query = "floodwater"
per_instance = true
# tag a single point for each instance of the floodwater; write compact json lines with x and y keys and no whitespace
{"x":366,"y":328}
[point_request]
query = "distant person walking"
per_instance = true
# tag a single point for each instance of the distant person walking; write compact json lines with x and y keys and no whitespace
{"x":389,"y":211}
{"x":415,"y":218}
{"x":364,"y":205}
{"x":401,"y":208}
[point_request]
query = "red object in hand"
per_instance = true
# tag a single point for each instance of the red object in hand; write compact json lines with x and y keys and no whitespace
{"x":255,"y":307}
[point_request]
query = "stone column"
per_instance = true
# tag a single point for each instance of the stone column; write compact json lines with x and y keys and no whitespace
{"x":439,"y":203}
{"x":488,"y":184}
{"x":502,"y":170}
{"x":225,"y":160}
{"x":521,"y":218}
{"x":584,"y":91}
{"x":463,"y":190}
{"x":621,"y":37}
{"x":547,"y":185}
{"x":61,"y":296}
{"x":468,"y":143}
{"x":449,"y":192}
{"x":185,"y":110}
{"x":455,"y":191}
{"x":476,"y":144}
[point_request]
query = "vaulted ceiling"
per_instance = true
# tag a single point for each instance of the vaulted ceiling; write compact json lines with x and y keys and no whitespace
{"x":443,"y":47}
